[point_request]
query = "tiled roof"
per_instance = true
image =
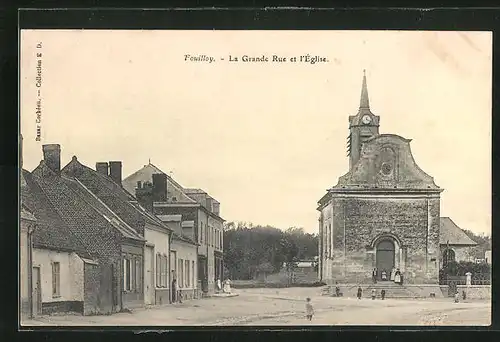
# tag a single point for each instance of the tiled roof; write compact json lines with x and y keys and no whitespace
{"x":183,"y":238}
{"x":51,"y":232}
{"x":177,"y":234}
{"x":27,"y":215}
{"x":94,"y":224}
{"x":450,"y":233}
{"x":86,"y":195}
{"x":113,"y":195}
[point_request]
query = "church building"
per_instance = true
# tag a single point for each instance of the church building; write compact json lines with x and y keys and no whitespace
{"x":384,"y":213}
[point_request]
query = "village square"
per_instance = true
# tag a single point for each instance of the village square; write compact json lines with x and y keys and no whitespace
{"x":98,"y":248}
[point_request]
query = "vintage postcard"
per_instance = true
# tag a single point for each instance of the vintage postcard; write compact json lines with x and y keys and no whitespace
{"x":284,"y":178}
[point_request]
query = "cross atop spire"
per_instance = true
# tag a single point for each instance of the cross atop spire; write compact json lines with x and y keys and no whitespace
{"x":364,"y":102}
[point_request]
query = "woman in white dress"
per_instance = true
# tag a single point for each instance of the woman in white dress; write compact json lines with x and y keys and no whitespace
{"x":227,"y":286}
{"x":393,"y":274}
{"x":397,"y":277}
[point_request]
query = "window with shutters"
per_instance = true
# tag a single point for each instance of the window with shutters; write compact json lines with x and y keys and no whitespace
{"x":188,"y":269}
{"x":181,"y":273}
{"x":158,"y":270}
{"x":164,"y":270}
{"x":193,"y":274}
{"x":56,"y":279}
{"x":133,"y":273}
{"x":127,"y":276}
{"x":130,"y":275}
{"x":138,"y":274}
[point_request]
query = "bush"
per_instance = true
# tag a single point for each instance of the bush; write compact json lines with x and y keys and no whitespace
{"x":459,"y":269}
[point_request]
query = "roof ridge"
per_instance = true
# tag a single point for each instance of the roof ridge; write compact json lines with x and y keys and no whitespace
{"x":133,"y":232}
{"x":113,"y":189}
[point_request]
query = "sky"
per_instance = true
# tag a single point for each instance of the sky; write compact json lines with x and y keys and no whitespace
{"x":265,"y":139}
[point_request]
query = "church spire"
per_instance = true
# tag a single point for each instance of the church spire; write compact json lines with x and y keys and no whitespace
{"x":364,"y":102}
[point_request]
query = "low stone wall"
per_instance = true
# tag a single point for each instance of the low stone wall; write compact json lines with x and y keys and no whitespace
{"x":51,"y":308}
{"x":476,"y":291}
{"x":162,"y":296}
{"x":188,"y":294}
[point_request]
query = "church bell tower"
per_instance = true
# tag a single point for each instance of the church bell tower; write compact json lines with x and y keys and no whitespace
{"x":362,"y":126}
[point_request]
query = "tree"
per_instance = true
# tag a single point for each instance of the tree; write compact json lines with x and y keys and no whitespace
{"x":248,"y":247}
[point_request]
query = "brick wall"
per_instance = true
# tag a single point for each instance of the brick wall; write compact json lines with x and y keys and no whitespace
{"x":91,"y":290}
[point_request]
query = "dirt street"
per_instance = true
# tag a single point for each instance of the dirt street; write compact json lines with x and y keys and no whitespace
{"x":287,"y":307}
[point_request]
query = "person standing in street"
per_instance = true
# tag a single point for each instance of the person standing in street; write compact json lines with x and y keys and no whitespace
{"x":374,"y":294}
{"x":382,"y":294}
{"x":360,"y":292}
{"x":309,"y":309}
{"x":174,"y":287}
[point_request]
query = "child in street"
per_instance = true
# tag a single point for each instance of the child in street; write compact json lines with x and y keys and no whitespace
{"x":374,"y":294}
{"x":309,"y":309}
{"x":457,"y":297}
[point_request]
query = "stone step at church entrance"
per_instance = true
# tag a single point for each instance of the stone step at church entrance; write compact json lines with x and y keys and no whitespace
{"x":392,"y":290}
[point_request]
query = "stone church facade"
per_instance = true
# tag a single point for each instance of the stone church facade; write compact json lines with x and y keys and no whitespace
{"x":384,"y":213}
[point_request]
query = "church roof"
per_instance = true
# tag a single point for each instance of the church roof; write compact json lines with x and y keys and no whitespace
{"x":450,"y":233}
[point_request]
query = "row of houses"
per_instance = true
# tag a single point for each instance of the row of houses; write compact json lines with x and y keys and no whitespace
{"x":94,"y":243}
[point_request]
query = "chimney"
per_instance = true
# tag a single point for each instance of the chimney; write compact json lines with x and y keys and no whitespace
{"x":159,"y":187}
{"x":144,"y":196}
{"x":209,"y":203}
{"x":216,"y":207}
{"x":115,"y":171}
{"x":20,"y":152}
{"x":52,"y":157}
{"x":102,"y":168}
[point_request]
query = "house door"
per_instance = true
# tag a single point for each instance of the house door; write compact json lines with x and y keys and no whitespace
{"x":149,"y":283}
{"x":203,"y":273}
{"x":385,"y":257}
{"x":37,"y":292}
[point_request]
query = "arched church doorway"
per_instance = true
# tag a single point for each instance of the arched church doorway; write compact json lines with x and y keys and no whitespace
{"x":385,"y":257}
